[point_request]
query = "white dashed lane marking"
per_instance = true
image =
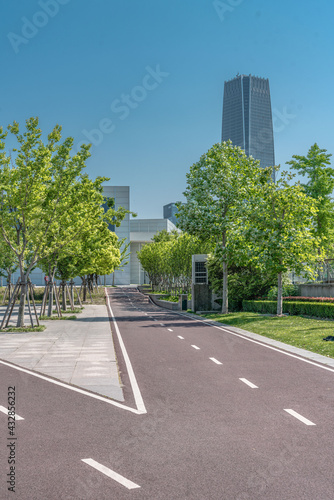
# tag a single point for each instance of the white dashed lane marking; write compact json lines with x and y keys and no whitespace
{"x":299,"y":417}
{"x":253,"y":386}
{"x":169,"y":329}
{"x":195,"y":347}
{"x":5,"y":411}
{"x":110,"y":473}
{"x":216,"y":361}
{"x":179,"y":336}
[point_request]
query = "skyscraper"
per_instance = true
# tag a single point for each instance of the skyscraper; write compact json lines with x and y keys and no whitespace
{"x":247,"y":117}
{"x":170,"y":211}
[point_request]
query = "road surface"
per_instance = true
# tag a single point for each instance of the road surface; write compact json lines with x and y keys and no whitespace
{"x":207,"y":415}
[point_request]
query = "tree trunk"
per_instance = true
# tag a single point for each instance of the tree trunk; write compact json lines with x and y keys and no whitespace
{"x":23,"y":293}
{"x":225,"y":276}
{"x":50,"y":305}
{"x":63,"y":295}
{"x":9,"y":281}
{"x":84,"y":292}
{"x":72,"y":292}
{"x":279,"y":295}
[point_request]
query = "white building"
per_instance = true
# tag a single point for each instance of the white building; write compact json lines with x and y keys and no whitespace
{"x":141,"y":233}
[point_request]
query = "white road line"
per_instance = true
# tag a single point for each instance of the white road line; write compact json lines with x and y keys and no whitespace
{"x":195,"y":347}
{"x":4,"y":410}
{"x":216,"y":361}
{"x":169,"y":329}
{"x":179,"y":336}
{"x":262,"y":343}
{"x":110,"y":473}
{"x":300,"y":417}
{"x":162,"y":324}
{"x":72,"y":388}
{"x":253,"y":386}
{"x":133,"y":381}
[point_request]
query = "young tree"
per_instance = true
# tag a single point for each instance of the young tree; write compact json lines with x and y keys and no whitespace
{"x":278,"y":226}
{"x":219,"y":184}
{"x":96,"y":252}
{"x":168,"y":259}
{"x":319,"y":185}
{"x":8,"y":264}
{"x":46,"y":200}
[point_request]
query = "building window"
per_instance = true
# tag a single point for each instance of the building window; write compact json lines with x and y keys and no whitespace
{"x":200,"y":273}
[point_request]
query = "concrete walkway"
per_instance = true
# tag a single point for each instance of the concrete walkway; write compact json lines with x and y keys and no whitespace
{"x":80,"y":352}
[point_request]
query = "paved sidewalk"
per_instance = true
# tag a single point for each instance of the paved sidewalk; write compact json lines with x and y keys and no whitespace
{"x":80,"y":352}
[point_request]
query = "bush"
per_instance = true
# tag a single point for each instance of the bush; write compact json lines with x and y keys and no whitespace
{"x":288,"y":290}
{"x":244,"y":283}
{"x":233,"y":305}
{"x":295,"y":308}
{"x":310,"y":299}
{"x":260,"y":306}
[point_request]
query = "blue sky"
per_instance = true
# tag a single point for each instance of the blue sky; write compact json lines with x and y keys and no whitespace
{"x":75,"y":62}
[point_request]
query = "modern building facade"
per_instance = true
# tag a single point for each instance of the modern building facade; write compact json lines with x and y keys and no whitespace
{"x":141,"y":233}
{"x":247,"y":117}
{"x":121,"y":197}
{"x":169,"y":212}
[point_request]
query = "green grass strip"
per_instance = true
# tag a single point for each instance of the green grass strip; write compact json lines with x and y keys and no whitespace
{"x":306,"y":333}
{"x":15,"y":329}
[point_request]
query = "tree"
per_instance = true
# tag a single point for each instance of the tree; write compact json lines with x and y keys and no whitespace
{"x":96,"y":252}
{"x":218,"y":186}
{"x":319,"y":185}
{"x":278,"y":226}
{"x":8,"y":264}
{"x":168,"y":259}
{"x":244,"y":282}
{"x":46,"y":200}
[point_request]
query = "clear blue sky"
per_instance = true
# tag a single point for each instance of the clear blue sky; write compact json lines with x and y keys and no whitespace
{"x":72,"y":62}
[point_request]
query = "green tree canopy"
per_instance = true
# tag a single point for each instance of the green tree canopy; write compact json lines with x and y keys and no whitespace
{"x":46,"y":199}
{"x":218,"y":187}
{"x":277,"y":227}
{"x":319,"y":176}
{"x":168,"y":260}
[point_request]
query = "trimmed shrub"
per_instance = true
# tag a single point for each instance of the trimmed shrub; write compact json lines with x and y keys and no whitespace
{"x":233,"y":305}
{"x":296,"y":308}
{"x":310,"y":299}
{"x":260,"y":306}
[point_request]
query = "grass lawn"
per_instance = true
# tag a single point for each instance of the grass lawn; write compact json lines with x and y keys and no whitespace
{"x":306,"y":333}
{"x":16,"y":329}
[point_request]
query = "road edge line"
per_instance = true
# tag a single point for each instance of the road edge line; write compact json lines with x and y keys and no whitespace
{"x":93,"y":395}
{"x":133,"y":381}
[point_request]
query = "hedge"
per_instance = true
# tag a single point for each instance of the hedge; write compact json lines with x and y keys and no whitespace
{"x":260,"y":306}
{"x":309,"y":299}
{"x":317,"y":309}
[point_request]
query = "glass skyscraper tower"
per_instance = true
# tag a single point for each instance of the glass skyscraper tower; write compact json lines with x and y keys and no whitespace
{"x":247,"y":117}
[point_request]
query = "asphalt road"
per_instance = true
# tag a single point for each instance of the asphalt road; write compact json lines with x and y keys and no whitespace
{"x":208,"y":432}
